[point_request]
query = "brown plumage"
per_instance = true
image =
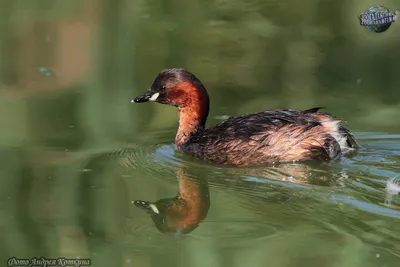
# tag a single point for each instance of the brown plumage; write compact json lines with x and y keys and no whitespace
{"x":268,"y":137}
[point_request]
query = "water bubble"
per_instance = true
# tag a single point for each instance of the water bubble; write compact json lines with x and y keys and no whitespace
{"x":45,"y":71}
{"x":392,"y":188}
{"x":393,"y":185}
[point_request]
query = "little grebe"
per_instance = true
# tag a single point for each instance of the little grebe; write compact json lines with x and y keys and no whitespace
{"x":268,"y":137}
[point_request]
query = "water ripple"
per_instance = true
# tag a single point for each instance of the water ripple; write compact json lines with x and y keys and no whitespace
{"x":235,"y":232}
{"x":369,"y":207}
{"x":142,"y":234}
{"x":364,"y":176}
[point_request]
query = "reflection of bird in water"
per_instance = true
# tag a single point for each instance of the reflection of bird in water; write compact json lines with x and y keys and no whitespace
{"x":183,"y":213}
{"x":296,"y":173}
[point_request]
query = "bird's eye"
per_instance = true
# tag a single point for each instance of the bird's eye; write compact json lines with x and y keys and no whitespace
{"x":163,"y":87}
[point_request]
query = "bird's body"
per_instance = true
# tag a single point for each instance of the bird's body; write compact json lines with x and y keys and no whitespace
{"x":274,"y":136}
{"x":268,"y":137}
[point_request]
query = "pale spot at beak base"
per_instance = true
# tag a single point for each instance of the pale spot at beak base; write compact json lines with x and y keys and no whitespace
{"x":154,"y":208}
{"x":154,"y":97}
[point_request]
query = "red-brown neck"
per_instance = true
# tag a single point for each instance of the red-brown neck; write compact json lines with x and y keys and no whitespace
{"x":193,"y":112}
{"x":195,"y":201}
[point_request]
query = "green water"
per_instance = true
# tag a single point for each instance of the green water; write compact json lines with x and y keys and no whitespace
{"x":76,"y":154}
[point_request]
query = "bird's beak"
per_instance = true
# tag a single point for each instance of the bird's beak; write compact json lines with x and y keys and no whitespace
{"x":148,"y":207}
{"x":146,"y":97}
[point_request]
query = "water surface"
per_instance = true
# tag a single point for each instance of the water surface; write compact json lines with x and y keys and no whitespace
{"x":76,"y":154}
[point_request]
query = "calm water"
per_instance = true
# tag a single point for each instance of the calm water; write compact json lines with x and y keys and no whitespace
{"x":76,"y":154}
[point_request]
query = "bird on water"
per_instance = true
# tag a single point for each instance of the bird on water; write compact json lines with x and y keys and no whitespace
{"x":267,"y":137}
